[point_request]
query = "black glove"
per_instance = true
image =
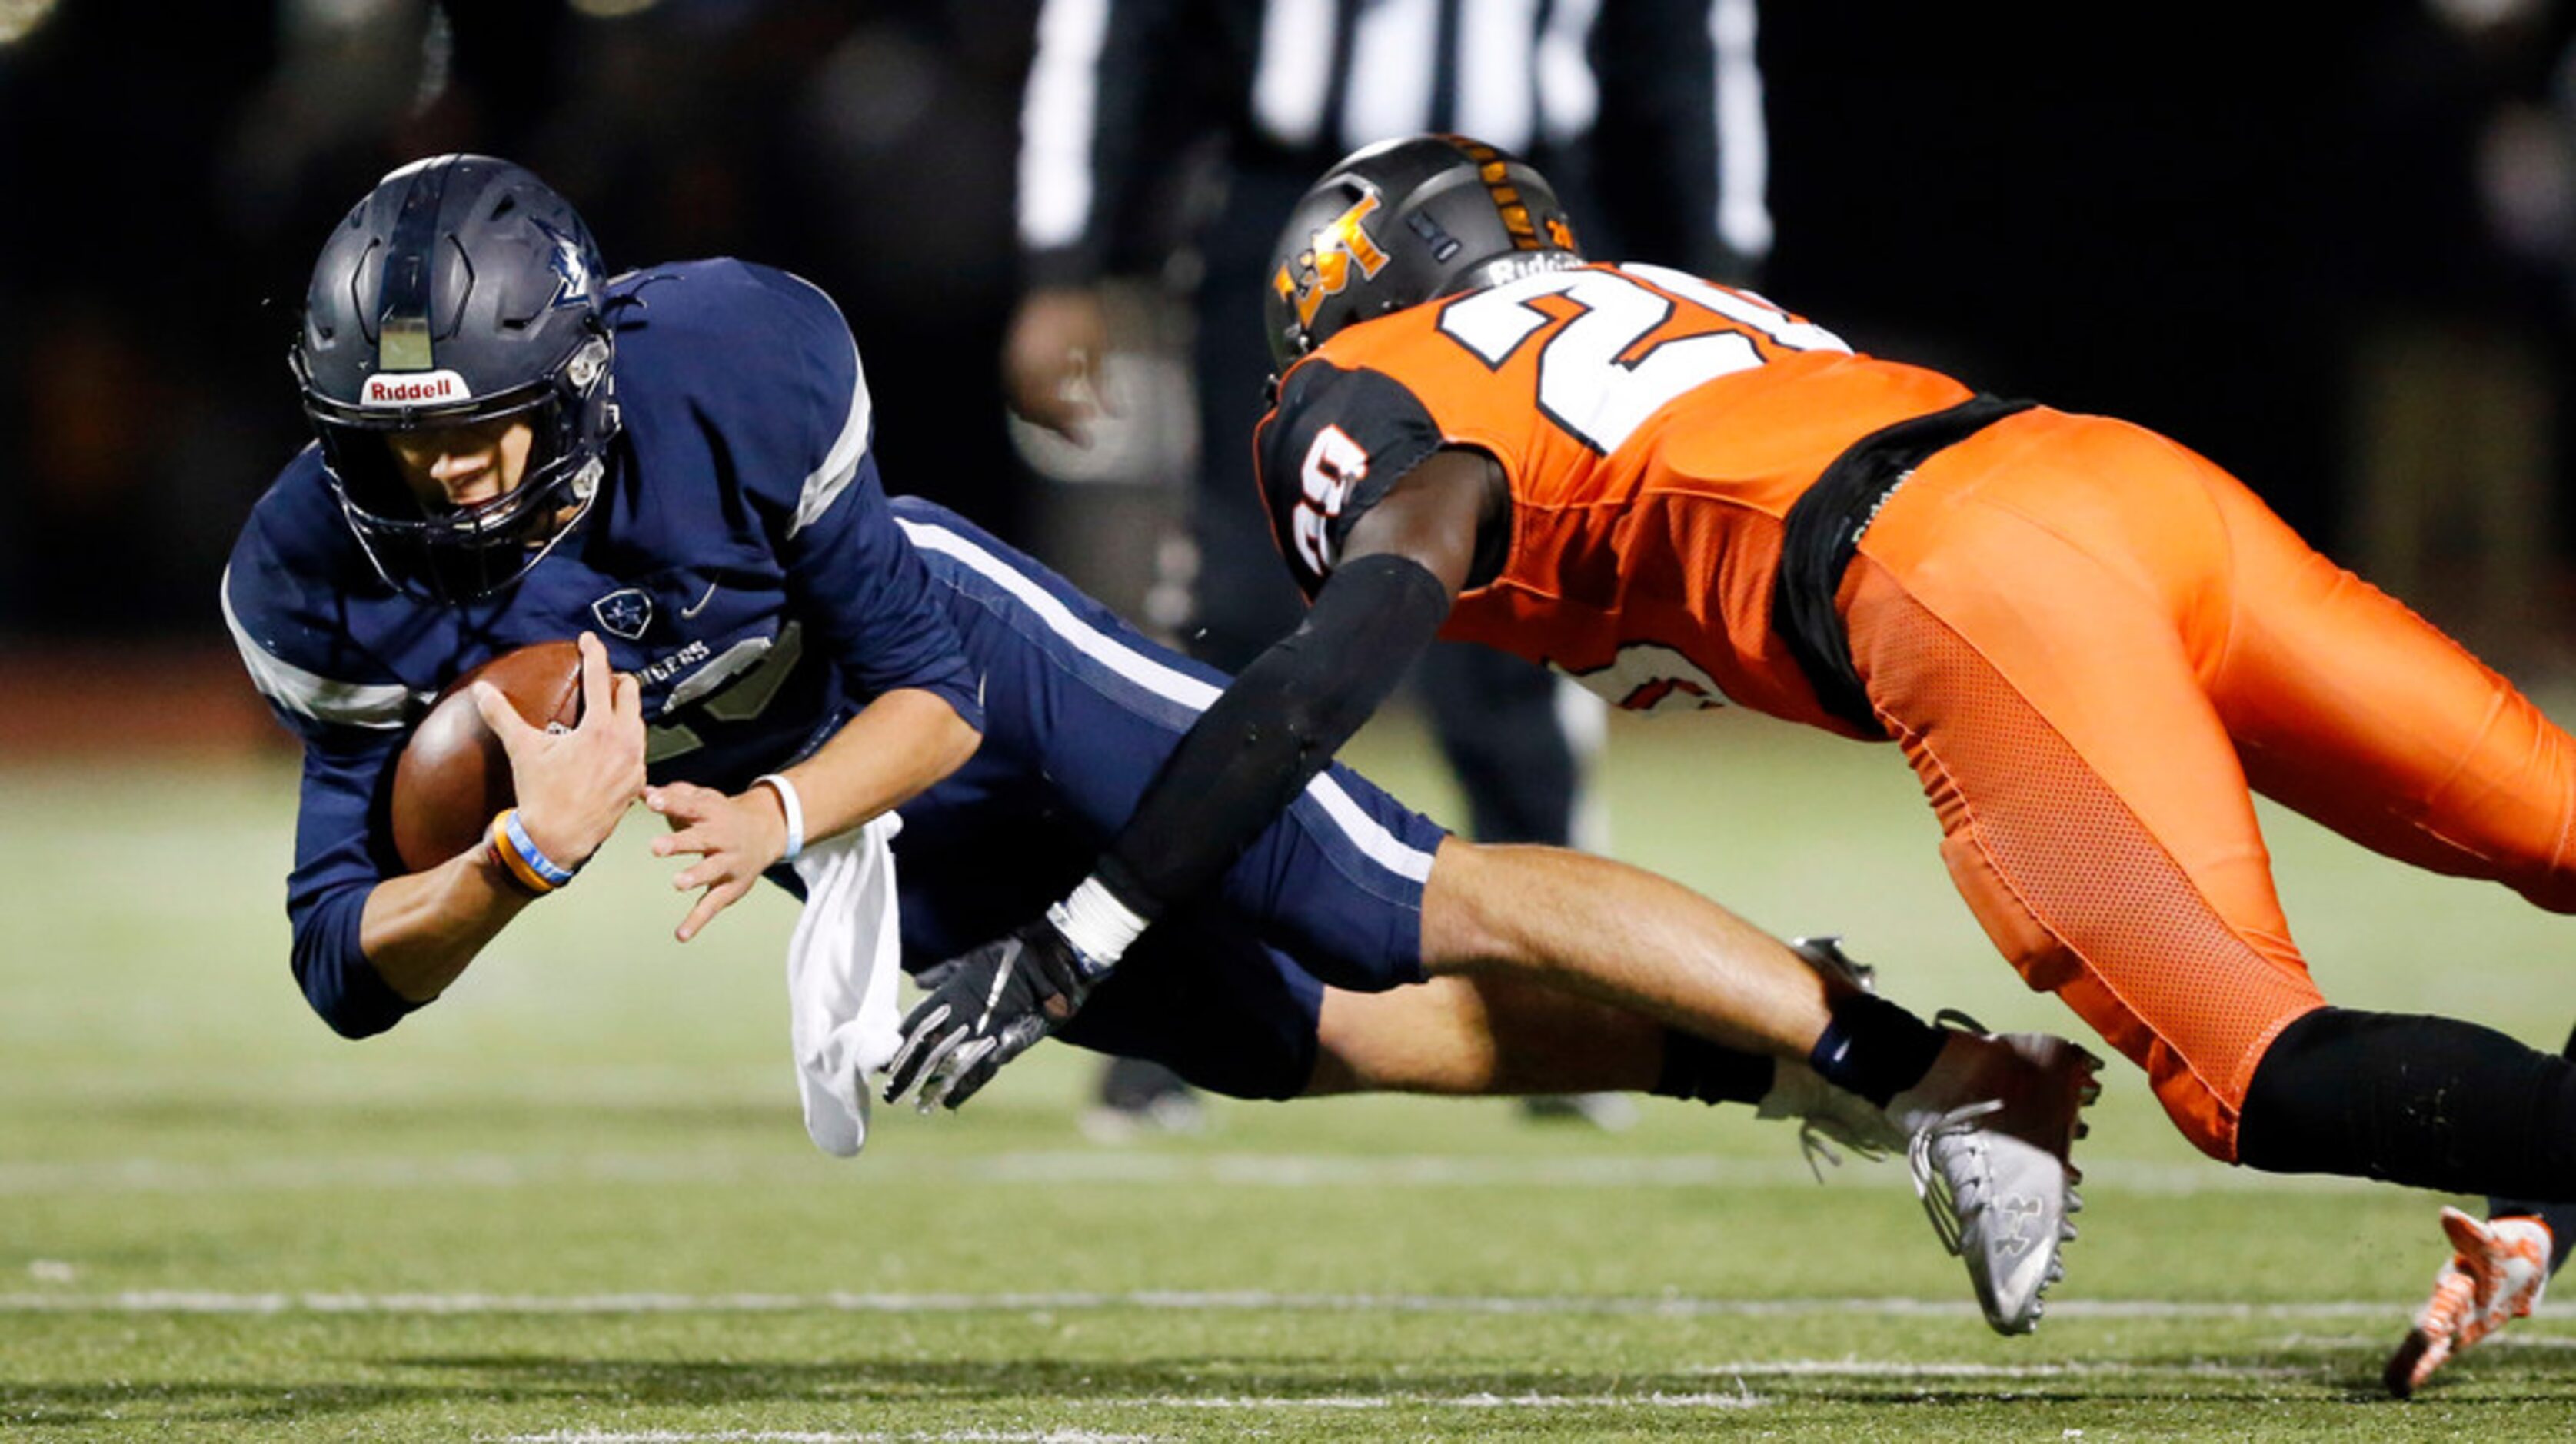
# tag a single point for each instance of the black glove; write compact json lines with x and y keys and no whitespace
{"x":989,"y":1005}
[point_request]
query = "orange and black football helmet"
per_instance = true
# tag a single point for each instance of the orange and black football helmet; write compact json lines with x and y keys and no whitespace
{"x":1403,"y":222}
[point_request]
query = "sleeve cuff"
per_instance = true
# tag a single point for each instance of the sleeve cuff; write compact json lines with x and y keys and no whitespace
{"x":338,"y":980}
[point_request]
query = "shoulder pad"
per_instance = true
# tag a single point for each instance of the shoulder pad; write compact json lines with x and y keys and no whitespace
{"x":285,"y":597}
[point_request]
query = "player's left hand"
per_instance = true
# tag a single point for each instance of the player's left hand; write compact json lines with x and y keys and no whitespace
{"x":991,"y":1004}
{"x":736,"y":839}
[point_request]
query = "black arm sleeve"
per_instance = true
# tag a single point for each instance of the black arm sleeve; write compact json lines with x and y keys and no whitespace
{"x":1257,"y":747}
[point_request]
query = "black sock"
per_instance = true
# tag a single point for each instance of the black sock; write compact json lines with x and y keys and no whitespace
{"x":2430,"y":1102}
{"x":2561,"y":1217}
{"x":1875,"y":1048}
{"x":1697,"y":1068}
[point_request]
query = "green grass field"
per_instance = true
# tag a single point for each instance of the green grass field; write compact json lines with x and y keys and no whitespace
{"x":573,"y":1202}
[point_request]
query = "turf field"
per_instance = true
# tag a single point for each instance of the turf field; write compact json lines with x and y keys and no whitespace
{"x":573,"y":1202}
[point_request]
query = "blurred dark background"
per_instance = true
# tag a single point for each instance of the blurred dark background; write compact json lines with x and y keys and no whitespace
{"x":2336,"y":256}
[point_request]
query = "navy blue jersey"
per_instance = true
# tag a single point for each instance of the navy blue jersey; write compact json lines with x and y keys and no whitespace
{"x":740,"y":560}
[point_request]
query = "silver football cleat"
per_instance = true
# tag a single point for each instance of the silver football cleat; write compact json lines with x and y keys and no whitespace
{"x":1988,"y":1133}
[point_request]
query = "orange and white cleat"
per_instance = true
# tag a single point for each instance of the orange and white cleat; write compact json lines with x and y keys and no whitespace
{"x":2496,"y":1273}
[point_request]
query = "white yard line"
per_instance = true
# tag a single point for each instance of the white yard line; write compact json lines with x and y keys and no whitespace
{"x":178,"y":1301}
{"x":1858,"y":1368}
{"x":1452,"y":1401}
{"x":1738,"y":1398}
{"x":1075,"y":1166}
{"x":1214,"y":1403}
{"x":810,"y":1436}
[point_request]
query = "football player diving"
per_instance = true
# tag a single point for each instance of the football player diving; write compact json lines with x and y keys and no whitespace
{"x":674,"y":464}
{"x":2091,"y":644}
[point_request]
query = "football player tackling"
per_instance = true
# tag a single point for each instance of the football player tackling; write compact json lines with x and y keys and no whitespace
{"x":513,"y":447}
{"x":2092,"y":645}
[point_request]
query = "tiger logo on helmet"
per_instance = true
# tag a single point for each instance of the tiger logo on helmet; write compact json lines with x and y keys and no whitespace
{"x":1403,"y":222}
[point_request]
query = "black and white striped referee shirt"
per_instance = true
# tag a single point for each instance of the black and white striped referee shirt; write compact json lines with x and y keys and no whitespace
{"x":1654,"y":106}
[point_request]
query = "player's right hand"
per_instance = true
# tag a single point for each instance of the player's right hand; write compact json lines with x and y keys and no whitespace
{"x":990,"y":1005}
{"x":574,"y":786}
{"x":1051,"y":360}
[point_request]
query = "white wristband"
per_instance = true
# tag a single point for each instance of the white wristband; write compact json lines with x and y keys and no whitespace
{"x":1097,"y":924}
{"x":792,"y":805}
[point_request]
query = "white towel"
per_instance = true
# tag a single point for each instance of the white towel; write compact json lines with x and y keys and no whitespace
{"x":842,"y":965}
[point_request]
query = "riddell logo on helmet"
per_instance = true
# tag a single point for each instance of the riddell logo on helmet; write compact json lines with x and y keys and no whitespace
{"x":418,"y":388}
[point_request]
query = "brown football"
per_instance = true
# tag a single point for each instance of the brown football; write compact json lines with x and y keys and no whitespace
{"x":453,"y":776}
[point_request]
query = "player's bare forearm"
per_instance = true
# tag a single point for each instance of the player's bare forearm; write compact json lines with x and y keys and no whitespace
{"x":898,"y":745}
{"x":421,"y":930}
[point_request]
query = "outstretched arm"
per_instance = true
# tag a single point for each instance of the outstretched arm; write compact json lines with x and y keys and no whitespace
{"x":1238,"y":767}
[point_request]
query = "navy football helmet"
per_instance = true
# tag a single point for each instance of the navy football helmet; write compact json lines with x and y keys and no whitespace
{"x":1403,"y":222}
{"x":461,"y":290}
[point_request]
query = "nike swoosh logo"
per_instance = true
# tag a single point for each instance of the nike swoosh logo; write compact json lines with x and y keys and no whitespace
{"x":691,"y":611}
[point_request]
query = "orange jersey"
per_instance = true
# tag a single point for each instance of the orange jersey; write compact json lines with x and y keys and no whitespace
{"x":1655,"y":429}
{"x":2087,"y":640}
